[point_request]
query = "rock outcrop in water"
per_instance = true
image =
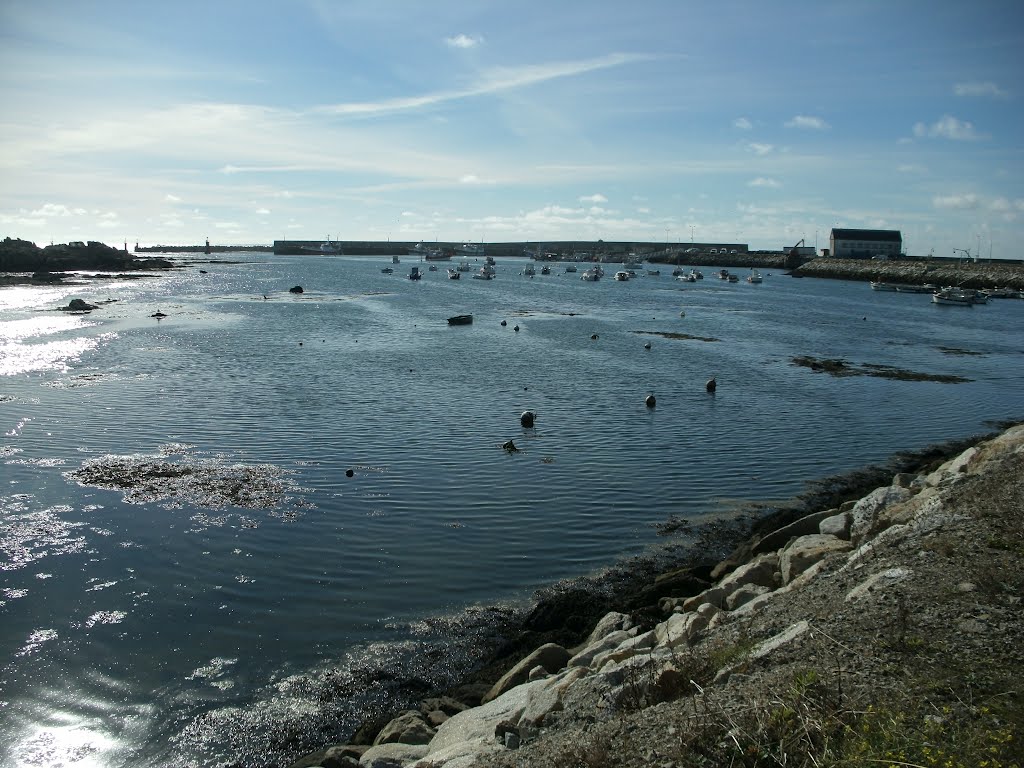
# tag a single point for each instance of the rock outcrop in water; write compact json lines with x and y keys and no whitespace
{"x":24,"y":256}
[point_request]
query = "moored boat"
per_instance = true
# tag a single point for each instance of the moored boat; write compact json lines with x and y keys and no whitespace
{"x":453,"y":274}
{"x":460,"y":320}
{"x":953,"y":297}
{"x":754,"y":277}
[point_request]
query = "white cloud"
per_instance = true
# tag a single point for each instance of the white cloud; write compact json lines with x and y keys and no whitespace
{"x":760,"y":149}
{"x":742,"y":123}
{"x":761,"y":181}
{"x":980,"y":89}
{"x":598,"y":198}
{"x":965,"y":202}
{"x":463,"y":41}
{"x":169,"y":198}
{"x":263,"y":211}
{"x":53,"y":209}
{"x":807,"y":121}
{"x":948,"y":127}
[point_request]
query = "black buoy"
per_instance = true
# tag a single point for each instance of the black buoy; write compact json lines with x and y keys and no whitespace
{"x":503,"y":323}
{"x":593,"y":336}
{"x":527,"y":418}
{"x":509,"y":446}
{"x":516,"y":329}
{"x":650,"y":402}
{"x":647,"y":345}
{"x":711,"y":385}
{"x":349,"y":473}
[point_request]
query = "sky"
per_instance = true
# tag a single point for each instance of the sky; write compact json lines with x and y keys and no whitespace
{"x":766,"y":123}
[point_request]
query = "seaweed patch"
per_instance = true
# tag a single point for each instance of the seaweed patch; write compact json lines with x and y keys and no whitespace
{"x":841,"y":368}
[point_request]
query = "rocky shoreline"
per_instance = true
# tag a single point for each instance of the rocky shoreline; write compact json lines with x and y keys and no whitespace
{"x":843,"y":584}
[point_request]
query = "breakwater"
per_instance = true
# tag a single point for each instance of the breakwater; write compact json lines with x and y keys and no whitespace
{"x":968,"y":274}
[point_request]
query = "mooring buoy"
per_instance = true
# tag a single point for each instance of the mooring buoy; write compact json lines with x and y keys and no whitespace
{"x":649,"y":401}
{"x":527,"y":418}
{"x":712,"y":385}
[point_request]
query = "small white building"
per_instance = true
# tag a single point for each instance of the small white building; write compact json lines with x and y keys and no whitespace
{"x":865,"y":243}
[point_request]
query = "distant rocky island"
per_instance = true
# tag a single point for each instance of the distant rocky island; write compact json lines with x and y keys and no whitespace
{"x":23,"y":262}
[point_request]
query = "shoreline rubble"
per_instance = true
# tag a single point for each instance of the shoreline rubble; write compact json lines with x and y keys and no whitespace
{"x":771,"y":599}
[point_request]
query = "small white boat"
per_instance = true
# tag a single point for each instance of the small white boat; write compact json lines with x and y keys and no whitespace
{"x":622,"y":276}
{"x":454,"y":274}
{"x":486,"y":273}
{"x":953,"y":297}
{"x":590,"y":275}
{"x":754,"y":277}
{"x":880,"y":286}
{"x":687,"y":278}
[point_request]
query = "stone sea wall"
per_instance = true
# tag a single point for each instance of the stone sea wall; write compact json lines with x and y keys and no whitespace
{"x":969,"y":274}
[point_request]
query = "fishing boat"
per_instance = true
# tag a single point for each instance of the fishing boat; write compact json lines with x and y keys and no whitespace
{"x":415,"y":274}
{"x":953,"y":297}
{"x":590,"y":275}
{"x":754,"y":277}
{"x":529,"y":271}
{"x":387,"y":270}
{"x":460,"y":319}
{"x":486,"y":273}
{"x":622,"y":275}
{"x":454,"y":274}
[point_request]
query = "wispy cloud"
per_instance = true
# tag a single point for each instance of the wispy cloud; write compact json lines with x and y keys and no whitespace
{"x":987,"y":88}
{"x":762,"y":181}
{"x":494,"y":81}
{"x":760,"y":149}
{"x":597,"y":198}
{"x":948,"y":127}
{"x":807,"y":121}
{"x":742,"y":123}
{"x":463,"y":41}
{"x":964,"y":202}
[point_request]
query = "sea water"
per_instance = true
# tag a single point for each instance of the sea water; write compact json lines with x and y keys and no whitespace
{"x":347,"y":518}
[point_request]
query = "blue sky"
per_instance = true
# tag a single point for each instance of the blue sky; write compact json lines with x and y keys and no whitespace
{"x":757,"y":122}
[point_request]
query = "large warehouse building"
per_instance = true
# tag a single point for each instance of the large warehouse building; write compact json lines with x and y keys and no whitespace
{"x":865,"y":243}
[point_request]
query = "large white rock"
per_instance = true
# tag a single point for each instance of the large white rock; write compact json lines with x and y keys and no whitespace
{"x":867,"y":511}
{"x":804,"y":552}
{"x":392,"y":755}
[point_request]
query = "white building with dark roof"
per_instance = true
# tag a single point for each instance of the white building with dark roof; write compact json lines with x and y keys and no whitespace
{"x":865,"y":243}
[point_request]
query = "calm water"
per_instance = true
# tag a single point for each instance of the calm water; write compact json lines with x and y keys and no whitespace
{"x":179,"y":630}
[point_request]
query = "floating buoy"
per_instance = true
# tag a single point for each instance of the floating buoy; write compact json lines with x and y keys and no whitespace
{"x":711,"y":385}
{"x":649,"y":401}
{"x":527,"y":418}
{"x":682,"y":313}
{"x":647,"y":345}
{"x":593,"y":336}
{"x":349,"y":473}
{"x":516,"y":329}
{"x":503,"y":323}
{"x":509,"y":446}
